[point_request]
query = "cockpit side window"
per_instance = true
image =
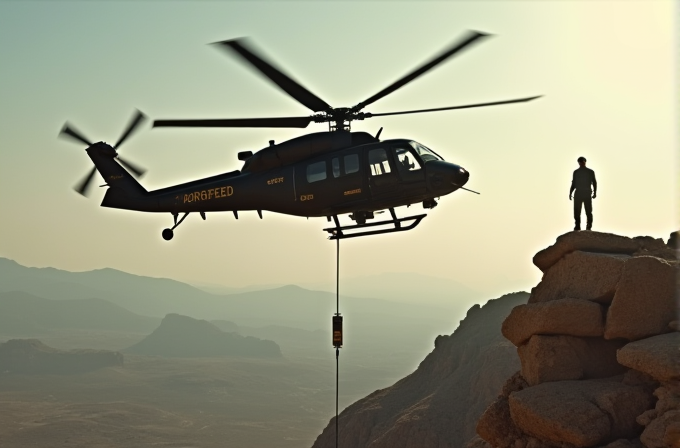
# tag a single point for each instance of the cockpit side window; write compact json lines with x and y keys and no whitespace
{"x":425,"y":154}
{"x":378,"y":161}
{"x":406,"y":160}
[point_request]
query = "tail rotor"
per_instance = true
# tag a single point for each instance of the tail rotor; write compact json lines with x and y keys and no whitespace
{"x":70,"y":132}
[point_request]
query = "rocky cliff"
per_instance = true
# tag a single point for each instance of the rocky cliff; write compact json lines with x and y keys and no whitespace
{"x":598,"y":353}
{"x":438,"y":404}
{"x":186,"y":337}
{"x":598,"y":347}
{"x":32,"y":356}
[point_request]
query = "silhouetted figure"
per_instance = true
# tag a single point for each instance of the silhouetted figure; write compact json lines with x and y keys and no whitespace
{"x":581,"y":182}
{"x":407,"y":163}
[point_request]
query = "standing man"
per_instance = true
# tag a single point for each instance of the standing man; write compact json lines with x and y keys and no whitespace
{"x":581,"y":182}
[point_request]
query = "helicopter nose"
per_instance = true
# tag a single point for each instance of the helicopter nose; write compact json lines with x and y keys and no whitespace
{"x":460,"y":176}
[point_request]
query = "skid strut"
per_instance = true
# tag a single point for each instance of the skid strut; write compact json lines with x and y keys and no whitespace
{"x":341,"y":232}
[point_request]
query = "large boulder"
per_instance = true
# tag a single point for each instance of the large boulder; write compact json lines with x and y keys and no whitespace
{"x":584,"y":241}
{"x":581,"y":275}
{"x":644,"y":303}
{"x":602,"y":243}
{"x":582,"y":413}
{"x":658,"y":356}
{"x":496,"y":425}
{"x":563,"y":316}
{"x":558,"y":358}
{"x":662,"y":432}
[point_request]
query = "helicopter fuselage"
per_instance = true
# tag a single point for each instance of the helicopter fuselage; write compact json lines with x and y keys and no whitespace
{"x":360,"y":178}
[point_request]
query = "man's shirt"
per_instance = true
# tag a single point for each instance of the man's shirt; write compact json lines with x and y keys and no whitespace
{"x":582,"y":180}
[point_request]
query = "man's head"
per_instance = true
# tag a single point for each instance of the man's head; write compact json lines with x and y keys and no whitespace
{"x":581,"y":161}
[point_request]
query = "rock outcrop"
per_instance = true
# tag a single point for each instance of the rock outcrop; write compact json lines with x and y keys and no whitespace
{"x":600,"y":361}
{"x":186,"y":337}
{"x":33,"y":357}
{"x":439,"y":403}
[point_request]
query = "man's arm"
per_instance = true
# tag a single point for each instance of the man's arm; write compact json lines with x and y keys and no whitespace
{"x":573,"y":187}
{"x":594,"y":185}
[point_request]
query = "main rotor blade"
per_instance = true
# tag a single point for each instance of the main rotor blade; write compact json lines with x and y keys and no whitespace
{"x":285,"y":82}
{"x":472,"y":36}
{"x":73,"y":133}
{"x":84,"y":184}
{"x":132,"y":126}
{"x":280,"y":122}
{"x":467,"y":106}
{"x":136,"y":169}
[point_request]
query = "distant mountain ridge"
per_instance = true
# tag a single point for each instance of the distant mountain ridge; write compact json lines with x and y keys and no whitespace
{"x":24,"y":313}
{"x":392,"y":286}
{"x":185,"y":337}
{"x":32,"y":356}
{"x":286,"y":306}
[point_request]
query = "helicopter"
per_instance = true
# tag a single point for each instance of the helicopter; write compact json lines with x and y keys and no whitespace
{"x":322,"y":174}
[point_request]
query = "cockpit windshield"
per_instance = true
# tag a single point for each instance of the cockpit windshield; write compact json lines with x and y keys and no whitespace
{"x":424,"y":153}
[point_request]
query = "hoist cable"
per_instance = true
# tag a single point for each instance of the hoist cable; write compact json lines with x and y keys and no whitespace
{"x":337,"y":349}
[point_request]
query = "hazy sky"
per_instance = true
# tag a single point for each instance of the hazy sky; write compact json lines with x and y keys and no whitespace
{"x":608,"y":71}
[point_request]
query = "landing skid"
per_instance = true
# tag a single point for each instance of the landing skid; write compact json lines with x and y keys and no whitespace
{"x":356,"y":230}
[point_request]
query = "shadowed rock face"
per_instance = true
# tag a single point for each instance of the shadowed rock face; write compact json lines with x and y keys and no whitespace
{"x":32,"y":356}
{"x":438,"y":404}
{"x":185,"y":337}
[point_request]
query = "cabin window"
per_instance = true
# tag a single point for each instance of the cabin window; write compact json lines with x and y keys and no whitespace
{"x":377,"y":160}
{"x":351,"y":163}
{"x":316,"y":171}
{"x":406,"y":160}
{"x":335,"y":165}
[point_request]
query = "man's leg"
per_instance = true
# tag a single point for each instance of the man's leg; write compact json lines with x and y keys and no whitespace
{"x":577,"y":212}
{"x":588,"y":203}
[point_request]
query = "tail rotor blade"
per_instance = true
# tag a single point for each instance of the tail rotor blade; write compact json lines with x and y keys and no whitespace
{"x":136,"y":169}
{"x":71,"y":132}
{"x":84,"y":185}
{"x":132,"y":126}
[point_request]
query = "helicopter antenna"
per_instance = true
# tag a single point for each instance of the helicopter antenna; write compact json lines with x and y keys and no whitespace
{"x":466,"y":189}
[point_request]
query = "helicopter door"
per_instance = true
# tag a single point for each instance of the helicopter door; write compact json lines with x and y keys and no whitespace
{"x":347,"y":176}
{"x":383,"y":180}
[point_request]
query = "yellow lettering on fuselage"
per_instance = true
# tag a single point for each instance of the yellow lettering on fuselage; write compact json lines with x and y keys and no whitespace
{"x":276,"y":180}
{"x":212,"y":193}
{"x":355,"y":191}
{"x":306,"y":197}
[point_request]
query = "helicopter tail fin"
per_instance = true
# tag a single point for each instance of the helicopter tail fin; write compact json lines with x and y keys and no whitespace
{"x":113,"y":171}
{"x":124,"y":191}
